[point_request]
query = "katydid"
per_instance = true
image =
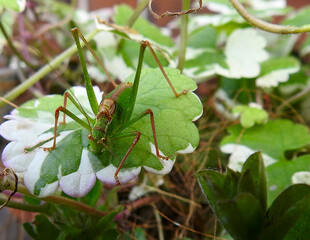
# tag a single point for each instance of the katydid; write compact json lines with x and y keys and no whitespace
{"x":114,"y":113}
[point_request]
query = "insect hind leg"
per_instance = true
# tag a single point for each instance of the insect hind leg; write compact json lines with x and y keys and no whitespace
{"x":183,"y":92}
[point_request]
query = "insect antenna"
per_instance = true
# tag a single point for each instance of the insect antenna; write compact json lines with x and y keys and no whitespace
{"x":97,"y":59}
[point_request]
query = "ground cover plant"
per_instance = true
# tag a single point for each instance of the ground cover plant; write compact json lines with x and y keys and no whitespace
{"x":116,"y":141}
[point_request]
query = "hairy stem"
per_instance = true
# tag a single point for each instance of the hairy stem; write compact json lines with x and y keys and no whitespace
{"x":183,"y":43}
{"x":44,"y":70}
{"x":269,"y":27}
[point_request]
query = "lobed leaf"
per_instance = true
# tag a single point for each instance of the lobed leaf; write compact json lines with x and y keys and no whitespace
{"x":251,"y":114}
{"x":72,"y":166}
{"x":277,"y":70}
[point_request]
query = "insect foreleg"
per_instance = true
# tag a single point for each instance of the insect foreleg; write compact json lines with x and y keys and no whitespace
{"x":71,"y":115}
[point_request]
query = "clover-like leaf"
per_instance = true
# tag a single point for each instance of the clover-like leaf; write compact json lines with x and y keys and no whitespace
{"x":244,"y":51}
{"x":277,"y":70}
{"x":251,"y":114}
{"x":241,"y":58}
{"x":72,"y":166}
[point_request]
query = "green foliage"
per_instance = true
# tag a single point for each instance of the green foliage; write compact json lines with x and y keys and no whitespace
{"x":280,"y":174}
{"x":239,"y":200}
{"x":250,"y":115}
{"x":273,"y":138}
{"x":169,"y":119}
{"x":64,"y":223}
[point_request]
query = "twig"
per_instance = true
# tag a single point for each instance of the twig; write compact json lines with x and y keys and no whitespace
{"x":269,"y":27}
{"x":187,"y":228}
{"x":159,"y":223}
{"x":172,"y":195}
{"x":174,"y":14}
{"x":8,"y":102}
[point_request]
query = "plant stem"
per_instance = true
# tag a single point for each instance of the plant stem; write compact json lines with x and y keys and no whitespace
{"x":59,"y":200}
{"x":269,"y":27}
{"x":23,"y":206}
{"x":183,"y":43}
{"x":141,"y":6}
{"x":44,"y":70}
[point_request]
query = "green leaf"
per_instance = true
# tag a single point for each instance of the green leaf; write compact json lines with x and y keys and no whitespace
{"x":72,"y":166}
{"x":30,"y":230}
{"x":253,"y":178}
{"x":300,"y":230}
{"x":106,"y":227}
{"x":211,"y":183}
{"x":273,"y":138}
{"x":280,"y":174}
{"x":244,"y":51}
{"x":277,"y":70}
{"x":203,"y":37}
{"x":250,"y":115}
{"x":238,"y":199}
{"x":285,"y":211}
{"x":45,"y":229}
{"x":94,"y":195}
{"x":32,"y":200}
{"x":300,"y":18}
{"x":242,"y":216}
{"x":206,"y":63}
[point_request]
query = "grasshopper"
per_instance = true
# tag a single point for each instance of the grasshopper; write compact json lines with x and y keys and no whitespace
{"x":114,"y":113}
